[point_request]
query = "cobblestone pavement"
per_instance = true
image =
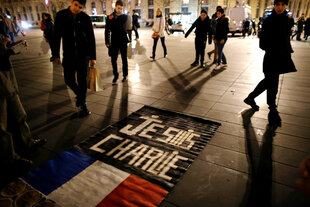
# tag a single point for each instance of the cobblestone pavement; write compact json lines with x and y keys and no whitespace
{"x":238,"y":164}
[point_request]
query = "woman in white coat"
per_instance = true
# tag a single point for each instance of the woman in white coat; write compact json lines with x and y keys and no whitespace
{"x":159,"y":28}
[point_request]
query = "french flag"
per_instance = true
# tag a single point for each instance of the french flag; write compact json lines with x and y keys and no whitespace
{"x":77,"y":180}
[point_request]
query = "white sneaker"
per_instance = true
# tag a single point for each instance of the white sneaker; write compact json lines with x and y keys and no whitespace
{"x":218,"y":67}
{"x":223,"y":65}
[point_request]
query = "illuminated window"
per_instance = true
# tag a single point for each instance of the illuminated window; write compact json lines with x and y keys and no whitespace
{"x":185,"y":2}
{"x":151,"y":13}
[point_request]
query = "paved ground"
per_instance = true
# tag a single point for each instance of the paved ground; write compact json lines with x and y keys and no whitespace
{"x":238,"y":164}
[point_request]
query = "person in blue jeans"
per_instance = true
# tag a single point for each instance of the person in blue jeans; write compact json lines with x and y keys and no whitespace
{"x":220,"y":38}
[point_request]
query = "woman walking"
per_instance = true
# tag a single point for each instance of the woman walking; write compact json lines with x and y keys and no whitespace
{"x":158,"y":28}
{"x":275,"y":40}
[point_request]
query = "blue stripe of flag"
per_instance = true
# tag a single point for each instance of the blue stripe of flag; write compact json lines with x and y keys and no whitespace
{"x":58,"y":171}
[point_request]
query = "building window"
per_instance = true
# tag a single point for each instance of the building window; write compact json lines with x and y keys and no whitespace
{"x":185,"y":2}
{"x":138,"y":2}
{"x":37,"y":9}
{"x":167,"y":11}
{"x":30,"y":8}
{"x":39,"y":17}
{"x":184,"y":10}
{"x":204,"y":1}
{"x":26,"y":18}
{"x":24,"y":9}
{"x":150,"y":2}
{"x":19,"y":16}
{"x":32,"y":18}
{"x":151,"y":14}
{"x":1,"y":10}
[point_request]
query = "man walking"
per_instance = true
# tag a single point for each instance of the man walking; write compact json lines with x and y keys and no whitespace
{"x":116,"y":39}
{"x":203,"y":29}
{"x":79,"y":46}
{"x":135,"y":23}
{"x":275,"y":40}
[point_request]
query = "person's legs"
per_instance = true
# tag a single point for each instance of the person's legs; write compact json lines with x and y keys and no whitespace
{"x":219,"y":52}
{"x":124,"y":60}
{"x":114,"y":55}
{"x":69,"y":74}
{"x":136,"y":32}
{"x":272,"y":82}
{"x":197,"y":49}
{"x":202,"y":53}
{"x":162,"y":39}
{"x":154,"y":47}
{"x":223,"y":55}
{"x":215,"y":53}
{"x":129,"y":32}
{"x":82,"y":68}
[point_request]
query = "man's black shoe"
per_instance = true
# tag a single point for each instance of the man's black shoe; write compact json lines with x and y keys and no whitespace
{"x":52,"y":59}
{"x":84,"y":112}
{"x":194,"y":64}
{"x":114,"y":79}
{"x":202,"y":65}
{"x":152,"y":57}
{"x":252,"y":103}
{"x":274,"y":118}
{"x":124,"y":78}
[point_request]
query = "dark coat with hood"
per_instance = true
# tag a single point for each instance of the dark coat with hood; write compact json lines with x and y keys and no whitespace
{"x":222,"y":29}
{"x":203,"y":29}
{"x":275,"y":40}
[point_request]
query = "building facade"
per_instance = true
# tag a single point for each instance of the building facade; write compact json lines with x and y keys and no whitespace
{"x":31,"y":10}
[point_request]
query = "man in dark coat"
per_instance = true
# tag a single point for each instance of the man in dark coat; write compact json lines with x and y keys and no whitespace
{"x":4,"y":30}
{"x":135,"y":23}
{"x":116,"y":39}
{"x":49,"y":31}
{"x":246,"y":26}
{"x":203,"y":30}
{"x":300,"y":26}
{"x":275,"y":40}
{"x":79,"y":46}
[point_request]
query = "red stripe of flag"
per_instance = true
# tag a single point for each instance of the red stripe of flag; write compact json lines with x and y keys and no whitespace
{"x":134,"y":191}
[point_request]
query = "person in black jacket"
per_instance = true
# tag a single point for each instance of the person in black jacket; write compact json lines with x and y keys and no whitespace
{"x":135,"y":23}
{"x":203,"y":29}
{"x":300,"y":26}
{"x":4,"y":30}
{"x":275,"y":40}
{"x":48,"y":32}
{"x":220,"y":38}
{"x":116,"y":39}
{"x":213,"y":27}
{"x":246,"y":26}
{"x":79,"y":46}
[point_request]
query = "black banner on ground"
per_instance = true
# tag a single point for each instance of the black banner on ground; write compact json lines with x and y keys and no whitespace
{"x":155,"y":144}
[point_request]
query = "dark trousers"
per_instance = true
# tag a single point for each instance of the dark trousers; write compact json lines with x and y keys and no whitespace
{"x":200,"y":46}
{"x":136,"y":31}
{"x":269,"y":83}
{"x":162,"y":39}
{"x":114,"y":54}
{"x":220,"y":54}
{"x":129,"y":32}
{"x":78,"y":66}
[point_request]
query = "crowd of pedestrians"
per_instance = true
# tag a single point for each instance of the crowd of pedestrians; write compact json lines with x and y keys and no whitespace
{"x":74,"y":28}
